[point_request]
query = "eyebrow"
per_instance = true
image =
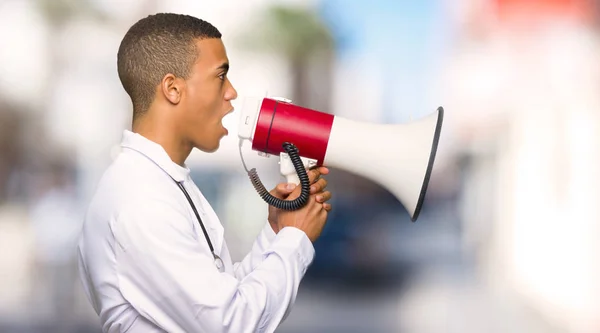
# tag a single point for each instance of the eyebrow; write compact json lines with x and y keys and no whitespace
{"x":224,"y":67}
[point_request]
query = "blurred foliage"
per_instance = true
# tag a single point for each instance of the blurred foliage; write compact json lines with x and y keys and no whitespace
{"x":302,"y":39}
{"x":58,"y":12}
{"x":292,"y":31}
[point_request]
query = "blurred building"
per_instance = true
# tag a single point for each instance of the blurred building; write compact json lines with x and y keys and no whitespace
{"x":527,"y":118}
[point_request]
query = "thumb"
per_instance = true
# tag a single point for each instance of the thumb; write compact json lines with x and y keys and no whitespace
{"x":288,"y":187}
{"x":282,"y":190}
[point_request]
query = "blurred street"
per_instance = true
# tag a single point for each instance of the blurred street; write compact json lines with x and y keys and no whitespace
{"x":509,"y":236}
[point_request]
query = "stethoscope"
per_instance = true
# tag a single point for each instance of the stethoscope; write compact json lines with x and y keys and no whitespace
{"x":218,"y":261}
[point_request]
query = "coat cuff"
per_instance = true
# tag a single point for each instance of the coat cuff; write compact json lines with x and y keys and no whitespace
{"x":290,"y":240}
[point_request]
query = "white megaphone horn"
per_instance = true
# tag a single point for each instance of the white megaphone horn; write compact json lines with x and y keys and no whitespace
{"x":398,"y":157}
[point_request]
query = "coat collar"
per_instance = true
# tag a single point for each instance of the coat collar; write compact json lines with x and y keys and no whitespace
{"x":156,"y":153}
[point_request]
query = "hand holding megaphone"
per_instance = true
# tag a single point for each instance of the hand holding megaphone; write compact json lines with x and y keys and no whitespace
{"x":312,"y":217}
{"x":398,"y":157}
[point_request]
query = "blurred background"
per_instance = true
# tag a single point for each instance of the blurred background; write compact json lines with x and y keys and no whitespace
{"x":509,"y":236}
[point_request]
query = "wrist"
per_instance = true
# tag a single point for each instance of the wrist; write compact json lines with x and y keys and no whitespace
{"x":274,"y":226}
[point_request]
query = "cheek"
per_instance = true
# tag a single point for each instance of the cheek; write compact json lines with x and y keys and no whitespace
{"x":204,"y":106}
{"x":212,"y":99}
{"x":195,"y":103}
{"x":196,"y":98}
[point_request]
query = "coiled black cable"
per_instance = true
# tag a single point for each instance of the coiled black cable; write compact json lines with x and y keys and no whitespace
{"x":295,"y":204}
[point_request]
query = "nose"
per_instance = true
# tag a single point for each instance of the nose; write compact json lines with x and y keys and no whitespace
{"x":231,"y":92}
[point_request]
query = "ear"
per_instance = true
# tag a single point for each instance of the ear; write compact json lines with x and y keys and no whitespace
{"x":171,"y":87}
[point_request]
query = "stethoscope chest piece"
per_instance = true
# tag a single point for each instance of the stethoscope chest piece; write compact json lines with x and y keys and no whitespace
{"x":218,"y":262}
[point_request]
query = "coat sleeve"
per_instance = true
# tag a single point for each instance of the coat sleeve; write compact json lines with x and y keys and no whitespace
{"x":170,"y":278}
{"x":256,"y":255}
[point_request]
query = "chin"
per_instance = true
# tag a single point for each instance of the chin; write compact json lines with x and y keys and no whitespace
{"x":208,"y":144}
{"x":213,"y":149}
{"x":209,"y":148}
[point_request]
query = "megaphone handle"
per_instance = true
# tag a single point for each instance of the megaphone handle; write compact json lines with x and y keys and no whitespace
{"x":298,"y":164}
{"x":293,"y":179}
{"x":287,"y":170}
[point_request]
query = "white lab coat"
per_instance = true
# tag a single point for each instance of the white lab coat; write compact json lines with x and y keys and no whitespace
{"x":146,"y":266}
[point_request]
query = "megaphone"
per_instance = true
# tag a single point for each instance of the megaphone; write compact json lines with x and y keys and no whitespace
{"x":398,"y":157}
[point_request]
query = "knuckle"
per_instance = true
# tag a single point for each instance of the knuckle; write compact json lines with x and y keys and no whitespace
{"x":315,"y":173}
{"x":322,"y":183}
{"x":318,"y":187}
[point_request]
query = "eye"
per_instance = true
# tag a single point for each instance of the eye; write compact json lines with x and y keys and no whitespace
{"x":222,"y":76}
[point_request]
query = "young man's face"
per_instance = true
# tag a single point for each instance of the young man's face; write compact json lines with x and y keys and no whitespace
{"x":207,"y":96}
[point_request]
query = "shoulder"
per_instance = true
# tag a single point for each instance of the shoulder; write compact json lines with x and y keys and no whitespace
{"x":134,"y":188}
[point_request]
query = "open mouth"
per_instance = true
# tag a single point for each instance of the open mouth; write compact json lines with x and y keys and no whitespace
{"x":228,"y":121}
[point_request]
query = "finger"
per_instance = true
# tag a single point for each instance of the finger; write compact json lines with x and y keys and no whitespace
{"x":322,"y":197}
{"x":286,"y":187}
{"x":323,"y":170}
{"x":313,"y":175}
{"x":327,"y":207}
{"x":318,"y":186}
{"x":282,"y":190}
{"x":324,"y":212}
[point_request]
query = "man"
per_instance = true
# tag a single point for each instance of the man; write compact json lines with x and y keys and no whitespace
{"x":152,"y":255}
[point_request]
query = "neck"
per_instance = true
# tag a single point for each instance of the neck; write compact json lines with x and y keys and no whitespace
{"x":160,"y":132}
